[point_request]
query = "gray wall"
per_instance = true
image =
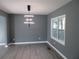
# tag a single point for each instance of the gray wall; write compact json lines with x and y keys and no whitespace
{"x":22,"y":33}
{"x":10,"y":28}
{"x":71,"y":48}
{"x":3,"y":32}
{"x":3,"y":27}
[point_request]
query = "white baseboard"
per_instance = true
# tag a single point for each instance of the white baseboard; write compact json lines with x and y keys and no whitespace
{"x":6,"y":46}
{"x":64,"y":57}
{"x":35,"y":42}
{"x":2,"y":44}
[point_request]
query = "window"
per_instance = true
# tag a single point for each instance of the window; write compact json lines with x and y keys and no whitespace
{"x":58,"y":29}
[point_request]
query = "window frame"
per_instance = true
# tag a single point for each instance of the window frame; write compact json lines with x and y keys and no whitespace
{"x":57,"y":39}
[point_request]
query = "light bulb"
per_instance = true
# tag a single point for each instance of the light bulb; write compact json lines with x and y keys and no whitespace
{"x":29,"y":19}
{"x":29,"y":22}
{"x":28,"y":15}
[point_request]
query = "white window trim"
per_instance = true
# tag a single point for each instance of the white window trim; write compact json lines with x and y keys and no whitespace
{"x":56,"y":39}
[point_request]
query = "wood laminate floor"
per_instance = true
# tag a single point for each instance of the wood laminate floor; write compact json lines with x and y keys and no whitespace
{"x":35,"y":51}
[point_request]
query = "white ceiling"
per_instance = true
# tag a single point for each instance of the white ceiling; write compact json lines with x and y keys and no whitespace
{"x":42,"y":7}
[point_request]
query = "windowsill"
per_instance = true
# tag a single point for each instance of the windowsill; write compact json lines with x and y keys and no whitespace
{"x":59,"y":41}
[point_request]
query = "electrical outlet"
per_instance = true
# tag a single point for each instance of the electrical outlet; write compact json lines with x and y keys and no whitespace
{"x":39,"y":38}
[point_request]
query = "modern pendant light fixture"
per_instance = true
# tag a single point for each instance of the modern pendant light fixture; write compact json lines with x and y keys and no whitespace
{"x":29,"y":17}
